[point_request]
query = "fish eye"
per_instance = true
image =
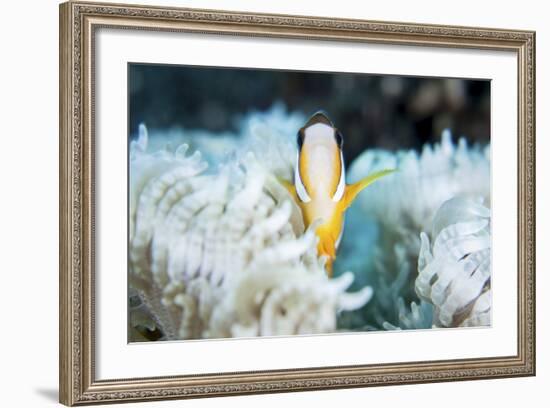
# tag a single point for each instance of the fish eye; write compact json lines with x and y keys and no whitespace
{"x":339,"y":138}
{"x":300,"y":139}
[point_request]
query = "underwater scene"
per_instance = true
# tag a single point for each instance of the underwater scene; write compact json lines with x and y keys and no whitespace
{"x":277,"y":203}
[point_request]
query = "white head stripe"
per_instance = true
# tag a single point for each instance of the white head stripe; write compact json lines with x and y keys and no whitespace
{"x":342,"y":182}
{"x":320,"y":129}
{"x":300,"y":188}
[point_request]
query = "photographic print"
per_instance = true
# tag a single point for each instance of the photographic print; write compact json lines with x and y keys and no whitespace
{"x":278,"y":203}
{"x":314,"y":189}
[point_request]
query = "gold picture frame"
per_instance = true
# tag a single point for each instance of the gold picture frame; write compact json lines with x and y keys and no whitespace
{"x":78,"y":24}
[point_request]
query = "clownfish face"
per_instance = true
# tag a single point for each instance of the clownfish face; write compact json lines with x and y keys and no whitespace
{"x":319,"y":171}
{"x":320,"y":188}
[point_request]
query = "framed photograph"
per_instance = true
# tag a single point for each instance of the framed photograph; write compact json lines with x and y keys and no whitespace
{"x":256,"y":203}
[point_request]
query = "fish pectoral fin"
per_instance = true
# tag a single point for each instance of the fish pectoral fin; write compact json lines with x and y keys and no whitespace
{"x":353,"y":189}
{"x":289,"y":186}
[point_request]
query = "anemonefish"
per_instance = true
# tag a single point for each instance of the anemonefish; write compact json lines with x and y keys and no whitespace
{"x":319,"y":187}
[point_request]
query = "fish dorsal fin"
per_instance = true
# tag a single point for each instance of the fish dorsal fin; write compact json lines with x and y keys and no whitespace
{"x":318,"y":117}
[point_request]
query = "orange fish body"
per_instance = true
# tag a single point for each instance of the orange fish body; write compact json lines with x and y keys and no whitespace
{"x":319,"y":186}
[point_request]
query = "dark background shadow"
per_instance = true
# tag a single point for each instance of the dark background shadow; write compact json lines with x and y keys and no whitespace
{"x":392,"y":112}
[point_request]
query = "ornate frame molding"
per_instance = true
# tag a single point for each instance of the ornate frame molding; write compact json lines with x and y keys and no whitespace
{"x":78,"y":22}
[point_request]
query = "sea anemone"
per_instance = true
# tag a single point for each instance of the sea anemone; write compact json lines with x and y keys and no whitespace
{"x":218,"y":247}
{"x":454,"y":272}
{"x":393,"y":212}
{"x":224,"y":253}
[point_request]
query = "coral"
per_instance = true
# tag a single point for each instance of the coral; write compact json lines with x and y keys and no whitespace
{"x":224,"y":253}
{"x":454,"y":273}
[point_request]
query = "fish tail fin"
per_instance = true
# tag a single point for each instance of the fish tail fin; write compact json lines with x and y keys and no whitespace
{"x":326,"y":247}
{"x":353,"y":189}
{"x":329,"y":268}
